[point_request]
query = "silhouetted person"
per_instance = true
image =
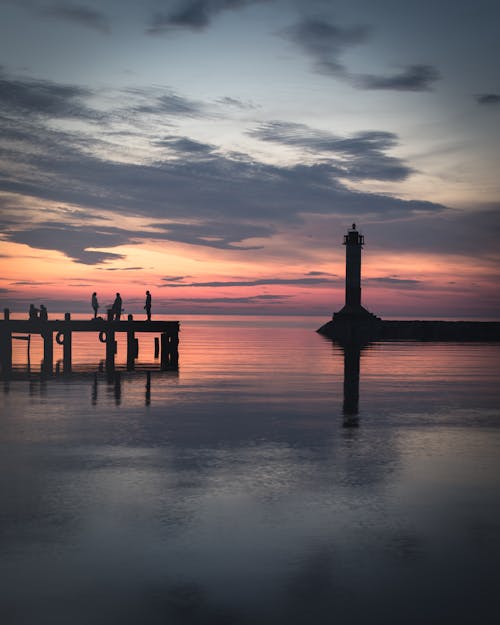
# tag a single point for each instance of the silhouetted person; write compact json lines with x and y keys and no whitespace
{"x":95,"y":304}
{"x":33,"y":312}
{"x":147,"y":306}
{"x":43,"y":313}
{"x":117,"y":307}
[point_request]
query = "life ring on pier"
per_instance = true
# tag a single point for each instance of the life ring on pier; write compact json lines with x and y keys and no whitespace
{"x":60,"y":338}
{"x":103,"y":336}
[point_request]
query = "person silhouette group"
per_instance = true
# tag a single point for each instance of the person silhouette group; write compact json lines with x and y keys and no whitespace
{"x":38,"y":314}
{"x":117,"y":308}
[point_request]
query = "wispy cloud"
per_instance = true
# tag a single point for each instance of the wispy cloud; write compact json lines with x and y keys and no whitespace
{"x":193,"y":14}
{"x":174,"y":278}
{"x":30,"y":283}
{"x":121,"y":268}
{"x":411,"y":78}
{"x":400,"y":283}
{"x":361,"y":156}
{"x":167,"y":102}
{"x":78,"y":14}
{"x":194,"y":193}
{"x":237,"y":103}
{"x":326,"y":42}
{"x":488,"y":99}
{"x":43,"y":98}
{"x":252,"y":299}
{"x":72,"y":241}
{"x":185,"y":146}
{"x":305,"y":281}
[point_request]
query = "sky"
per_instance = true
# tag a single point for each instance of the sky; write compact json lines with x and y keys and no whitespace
{"x":215,"y":152}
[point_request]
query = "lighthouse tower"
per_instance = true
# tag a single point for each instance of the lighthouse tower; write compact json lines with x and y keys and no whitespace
{"x":353,"y":242}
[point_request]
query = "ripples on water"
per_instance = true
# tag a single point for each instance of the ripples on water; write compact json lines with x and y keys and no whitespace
{"x":231,"y":491}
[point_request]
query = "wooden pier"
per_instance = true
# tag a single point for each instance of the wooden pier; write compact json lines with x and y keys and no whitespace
{"x":167,"y":343}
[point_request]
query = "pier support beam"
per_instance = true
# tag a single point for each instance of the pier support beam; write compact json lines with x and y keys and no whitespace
{"x":6,"y":351}
{"x":110,"y":349}
{"x":6,"y":345}
{"x":67,"y":347}
{"x":169,"y":358}
{"x":48,"y":352}
{"x":63,"y":337}
{"x":132,"y":347}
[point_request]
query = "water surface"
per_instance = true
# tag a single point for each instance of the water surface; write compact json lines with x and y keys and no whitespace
{"x":244,"y":488}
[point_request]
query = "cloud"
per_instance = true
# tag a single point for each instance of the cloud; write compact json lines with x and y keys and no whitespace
{"x":72,"y":241}
{"x":326,"y":42}
{"x":358,"y":157}
{"x":400,"y":283}
{"x":319,"y":273}
{"x":78,"y":14}
{"x":166,"y":103}
{"x":253,"y":299}
{"x":121,"y":268}
{"x":214,"y":234}
{"x":237,"y":103}
{"x":307,"y":281}
{"x":60,"y":167}
{"x":78,"y":242}
{"x":412,"y":78}
{"x":488,"y":99}
{"x":43,"y":98}
{"x":201,"y":197}
{"x":193,"y":14}
{"x":174,"y":278}
{"x":185,"y":146}
{"x":470,"y":233}
{"x":30,"y":283}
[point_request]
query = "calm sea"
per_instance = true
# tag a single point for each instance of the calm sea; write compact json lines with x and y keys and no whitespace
{"x":262,"y":482}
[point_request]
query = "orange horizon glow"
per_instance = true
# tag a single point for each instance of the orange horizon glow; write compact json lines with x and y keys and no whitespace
{"x":51,"y":277}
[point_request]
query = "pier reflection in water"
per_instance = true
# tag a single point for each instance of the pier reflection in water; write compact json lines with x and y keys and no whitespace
{"x":110,"y":382}
{"x":111,"y":379}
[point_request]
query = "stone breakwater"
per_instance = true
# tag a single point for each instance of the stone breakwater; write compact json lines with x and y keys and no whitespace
{"x":373,"y":328}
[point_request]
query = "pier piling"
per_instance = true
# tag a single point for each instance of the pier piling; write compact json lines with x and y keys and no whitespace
{"x":132,"y":347}
{"x":48,"y":351}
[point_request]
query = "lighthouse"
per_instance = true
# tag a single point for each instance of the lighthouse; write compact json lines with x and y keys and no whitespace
{"x":353,"y":242}
{"x":352,"y":324}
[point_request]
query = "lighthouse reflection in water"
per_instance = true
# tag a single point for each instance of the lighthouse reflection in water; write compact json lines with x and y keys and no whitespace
{"x":230,"y":491}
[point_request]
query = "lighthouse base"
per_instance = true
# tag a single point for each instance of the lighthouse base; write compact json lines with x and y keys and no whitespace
{"x":352,"y":325}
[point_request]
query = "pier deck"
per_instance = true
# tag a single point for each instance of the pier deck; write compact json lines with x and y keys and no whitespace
{"x":167,"y":344}
{"x":82,"y":325}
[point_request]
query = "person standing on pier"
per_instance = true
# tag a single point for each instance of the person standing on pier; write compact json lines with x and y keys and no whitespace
{"x":117,"y":307}
{"x":43,"y":313}
{"x":33,"y":313}
{"x":147,"y":306}
{"x":95,"y":304}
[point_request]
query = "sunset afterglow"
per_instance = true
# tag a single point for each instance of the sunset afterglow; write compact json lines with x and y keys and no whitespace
{"x":216,"y":156}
